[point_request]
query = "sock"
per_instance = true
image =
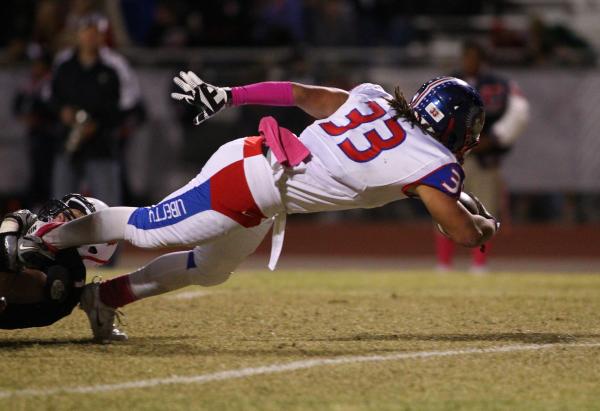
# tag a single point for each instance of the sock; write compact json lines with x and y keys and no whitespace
{"x":479,"y":257}
{"x":166,"y":273}
{"x":117,"y":292}
{"x":444,"y":250}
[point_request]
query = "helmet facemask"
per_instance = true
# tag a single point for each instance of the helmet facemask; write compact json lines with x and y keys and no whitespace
{"x":55,"y":209}
{"x":473,"y":126}
{"x":73,"y":206}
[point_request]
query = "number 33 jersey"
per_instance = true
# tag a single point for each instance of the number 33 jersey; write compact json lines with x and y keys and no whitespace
{"x":362,"y":157}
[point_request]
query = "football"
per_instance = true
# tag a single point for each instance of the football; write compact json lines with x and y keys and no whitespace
{"x":469,"y":203}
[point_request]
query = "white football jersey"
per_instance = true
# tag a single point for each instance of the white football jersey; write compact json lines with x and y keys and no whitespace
{"x":362,"y":157}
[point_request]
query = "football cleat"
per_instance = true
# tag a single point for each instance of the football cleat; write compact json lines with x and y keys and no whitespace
{"x":102,"y":317}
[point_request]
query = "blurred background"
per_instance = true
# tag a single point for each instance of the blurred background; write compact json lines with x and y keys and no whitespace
{"x":85,"y":104}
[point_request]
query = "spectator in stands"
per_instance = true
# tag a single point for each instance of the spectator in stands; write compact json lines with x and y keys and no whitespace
{"x":166,"y":31}
{"x":558,"y":44}
{"x":334,"y":23}
{"x":92,"y":88}
{"x":48,"y":24}
{"x":31,"y":107}
{"x":507,"y":114}
{"x":279,"y":22}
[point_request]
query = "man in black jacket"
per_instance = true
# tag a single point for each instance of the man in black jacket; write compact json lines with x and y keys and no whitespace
{"x":92,"y":88}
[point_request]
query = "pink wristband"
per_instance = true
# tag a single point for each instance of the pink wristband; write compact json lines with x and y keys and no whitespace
{"x":268,"y":93}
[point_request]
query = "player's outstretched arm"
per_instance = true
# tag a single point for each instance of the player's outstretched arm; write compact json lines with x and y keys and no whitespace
{"x":457,"y":222}
{"x":319,"y":102}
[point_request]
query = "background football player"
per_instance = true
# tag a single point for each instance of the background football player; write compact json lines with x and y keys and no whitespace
{"x":506,"y":116}
{"x":365,"y":149}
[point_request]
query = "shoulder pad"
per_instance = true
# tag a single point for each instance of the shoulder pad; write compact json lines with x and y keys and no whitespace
{"x":448,"y":178}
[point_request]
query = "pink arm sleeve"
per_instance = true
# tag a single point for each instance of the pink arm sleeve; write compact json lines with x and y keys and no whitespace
{"x":268,"y":93}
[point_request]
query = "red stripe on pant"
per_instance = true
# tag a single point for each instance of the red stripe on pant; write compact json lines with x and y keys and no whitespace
{"x":229,"y":191}
{"x":253,"y":146}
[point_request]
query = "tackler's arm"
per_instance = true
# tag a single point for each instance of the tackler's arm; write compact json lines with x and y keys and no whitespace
{"x":13,"y":226}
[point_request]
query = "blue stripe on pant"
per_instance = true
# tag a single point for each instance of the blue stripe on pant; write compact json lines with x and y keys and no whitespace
{"x":173,"y":210}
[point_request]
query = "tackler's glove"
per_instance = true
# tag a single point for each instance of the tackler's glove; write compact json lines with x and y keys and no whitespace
{"x":23,"y":218}
{"x":207,"y":98}
{"x":12,"y":227}
{"x":33,"y":253}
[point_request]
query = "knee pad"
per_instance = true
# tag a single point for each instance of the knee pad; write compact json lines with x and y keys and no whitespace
{"x":210,"y":268}
{"x":210,"y":279}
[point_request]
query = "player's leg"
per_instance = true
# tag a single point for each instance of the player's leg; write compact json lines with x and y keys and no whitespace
{"x":485,"y":183}
{"x":207,"y":265}
{"x":191,"y":215}
{"x":135,"y":225}
{"x":444,"y":251}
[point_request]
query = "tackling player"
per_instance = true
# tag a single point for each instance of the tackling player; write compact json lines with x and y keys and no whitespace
{"x":38,"y":289}
{"x":365,"y":149}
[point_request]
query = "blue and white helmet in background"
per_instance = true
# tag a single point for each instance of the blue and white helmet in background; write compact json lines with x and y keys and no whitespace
{"x":451,"y":111}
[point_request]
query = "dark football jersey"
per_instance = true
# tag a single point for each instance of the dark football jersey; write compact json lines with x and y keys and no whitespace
{"x":66,"y":277}
{"x":495,"y":91}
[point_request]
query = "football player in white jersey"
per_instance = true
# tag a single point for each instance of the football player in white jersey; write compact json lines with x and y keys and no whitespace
{"x":365,"y":149}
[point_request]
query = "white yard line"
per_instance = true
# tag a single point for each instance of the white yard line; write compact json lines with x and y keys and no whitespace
{"x":188,"y":295}
{"x":277,"y":368}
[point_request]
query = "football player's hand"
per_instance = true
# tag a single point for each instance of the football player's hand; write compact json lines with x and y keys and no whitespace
{"x":475,"y":206}
{"x":33,"y":253}
{"x":12,"y":226}
{"x":207,"y":98}
{"x":17,"y":222}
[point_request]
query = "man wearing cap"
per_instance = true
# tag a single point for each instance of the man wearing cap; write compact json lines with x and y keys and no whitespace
{"x":92,"y":88}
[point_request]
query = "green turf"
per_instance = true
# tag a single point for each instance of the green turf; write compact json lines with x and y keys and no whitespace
{"x":261,"y":318}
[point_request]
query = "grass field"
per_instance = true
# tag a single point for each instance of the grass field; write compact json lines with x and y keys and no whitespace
{"x":401,"y":340}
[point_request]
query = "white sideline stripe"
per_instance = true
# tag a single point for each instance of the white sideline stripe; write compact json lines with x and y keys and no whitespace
{"x":276,"y":368}
{"x":188,"y":295}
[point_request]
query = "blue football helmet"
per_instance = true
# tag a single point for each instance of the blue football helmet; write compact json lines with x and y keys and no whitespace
{"x":451,"y":111}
